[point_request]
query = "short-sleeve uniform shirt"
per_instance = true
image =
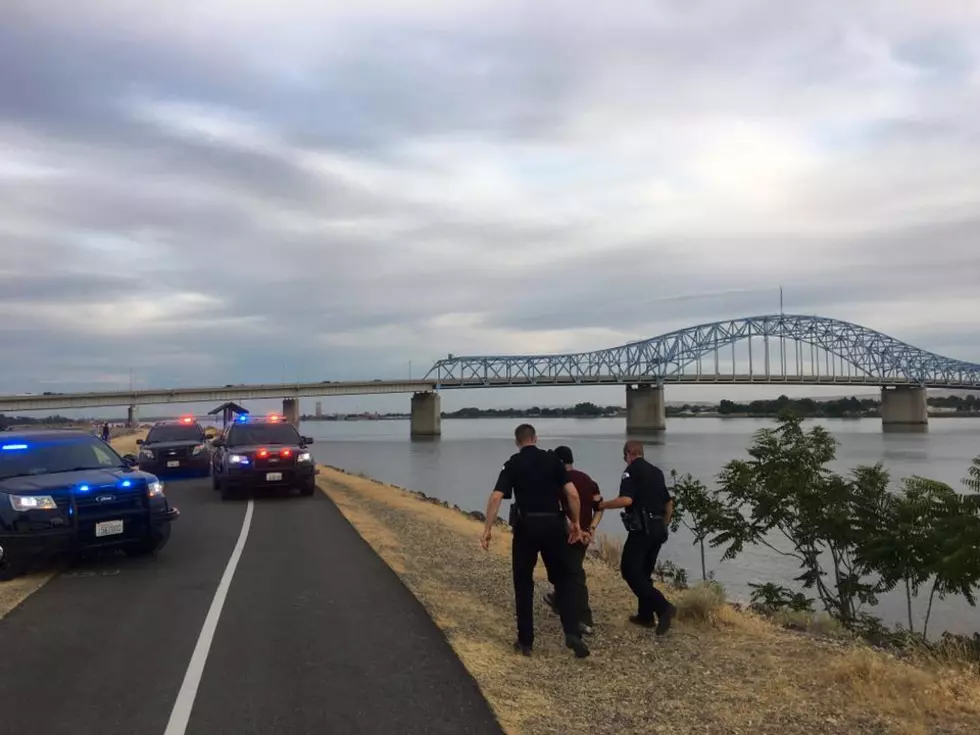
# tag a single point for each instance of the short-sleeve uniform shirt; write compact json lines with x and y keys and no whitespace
{"x":646,"y":485}
{"x":534,"y":478}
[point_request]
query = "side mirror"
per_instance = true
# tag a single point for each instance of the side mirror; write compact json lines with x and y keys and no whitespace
{"x":307,"y":439}
{"x":130,"y":459}
{"x":139,"y":441}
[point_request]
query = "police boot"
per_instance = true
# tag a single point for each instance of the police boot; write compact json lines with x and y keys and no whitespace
{"x":576,"y":643}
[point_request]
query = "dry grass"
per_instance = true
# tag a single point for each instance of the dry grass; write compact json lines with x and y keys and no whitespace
{"x":14,"y":592}
{"x":719,"y":670}
{"x":125,"y":443}
{"x":702,"y":603}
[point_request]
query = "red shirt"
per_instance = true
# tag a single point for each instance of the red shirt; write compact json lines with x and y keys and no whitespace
{"x":588,"y":491}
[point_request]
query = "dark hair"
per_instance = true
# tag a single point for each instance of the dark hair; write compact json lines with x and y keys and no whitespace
{"x":524,"y":432}
{"x":564,"y":454}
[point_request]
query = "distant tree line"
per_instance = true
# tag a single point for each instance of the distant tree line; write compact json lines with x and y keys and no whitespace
{"x":806,"y":407}
{"x":8,"y":421}
{"x":579,"y":410}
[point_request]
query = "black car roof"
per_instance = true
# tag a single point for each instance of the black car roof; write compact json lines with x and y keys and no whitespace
{"x":42,"y":434}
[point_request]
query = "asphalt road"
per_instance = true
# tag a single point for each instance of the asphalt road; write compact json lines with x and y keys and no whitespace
{"x":316,"y":634}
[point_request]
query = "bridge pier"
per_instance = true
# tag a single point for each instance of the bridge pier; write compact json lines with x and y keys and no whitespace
{"x":290,"y":411}
{"x":133,"y":417}
{"x":646,"y":412}
{"x":904,"y":408}
{"x":426,"y":414}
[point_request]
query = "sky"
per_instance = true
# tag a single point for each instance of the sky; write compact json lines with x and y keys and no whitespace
{"x":231,"y":191}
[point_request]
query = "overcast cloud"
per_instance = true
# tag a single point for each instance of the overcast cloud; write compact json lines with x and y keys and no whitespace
{"x":225,"y":191}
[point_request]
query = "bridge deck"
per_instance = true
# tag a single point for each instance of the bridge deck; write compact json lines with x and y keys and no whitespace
{"x":354,"y":388}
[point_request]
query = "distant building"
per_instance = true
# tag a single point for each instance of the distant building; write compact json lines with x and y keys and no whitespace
{"x":319,"y":410}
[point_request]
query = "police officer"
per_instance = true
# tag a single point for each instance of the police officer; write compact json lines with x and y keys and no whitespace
{"x":649,"y":506}
{"x":536,"y":479}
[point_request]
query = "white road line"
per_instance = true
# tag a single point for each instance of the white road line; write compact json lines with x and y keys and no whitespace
{"x":181,"y":713}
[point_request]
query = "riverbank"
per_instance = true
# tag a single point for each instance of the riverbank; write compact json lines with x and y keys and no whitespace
{"x":719,"y":670}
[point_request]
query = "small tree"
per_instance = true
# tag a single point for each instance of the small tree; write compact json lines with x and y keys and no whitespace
{"x":786,"y":489}
{"x":696,"y":509}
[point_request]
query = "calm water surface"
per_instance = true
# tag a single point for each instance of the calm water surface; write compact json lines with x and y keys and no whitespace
{"x":462,"y":466}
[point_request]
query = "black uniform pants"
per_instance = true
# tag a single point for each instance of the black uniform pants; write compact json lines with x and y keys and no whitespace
{"x":637,"y":565}
{"x":579,"y":585}
{"x":546,"y":535}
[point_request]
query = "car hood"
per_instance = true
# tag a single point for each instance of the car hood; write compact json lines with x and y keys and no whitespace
{"x":171,"y":445}
{"x":62,"y":480}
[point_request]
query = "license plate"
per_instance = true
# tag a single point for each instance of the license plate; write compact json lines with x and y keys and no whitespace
{"x":108,"y":528}
{"x":273,"y":476}
{"x":173,"y":463}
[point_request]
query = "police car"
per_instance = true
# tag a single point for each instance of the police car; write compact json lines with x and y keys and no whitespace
{"x":173,"y":447}
{"x":261,"y":453}
{"x":66,"y":491}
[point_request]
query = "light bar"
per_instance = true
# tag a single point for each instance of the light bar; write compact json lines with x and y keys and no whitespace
{"x":13,"y":447}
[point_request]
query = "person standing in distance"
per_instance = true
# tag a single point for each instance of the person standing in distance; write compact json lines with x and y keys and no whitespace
{"x":588,"y":492}
{"x":536,"y":479}
{"x":643,"y":493}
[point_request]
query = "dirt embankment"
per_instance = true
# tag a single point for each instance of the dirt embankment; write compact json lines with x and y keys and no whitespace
{"x":731,"y":673}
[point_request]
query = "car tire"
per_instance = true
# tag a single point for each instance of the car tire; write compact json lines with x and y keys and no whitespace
{"x":227,"y":493}
{"x":150,"y":544}
{"x":308,"y":487}
{"x":11,"y":568}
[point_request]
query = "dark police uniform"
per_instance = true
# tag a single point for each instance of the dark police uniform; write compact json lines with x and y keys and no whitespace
{"x":646,"y":485}
{"x":535,"y":479}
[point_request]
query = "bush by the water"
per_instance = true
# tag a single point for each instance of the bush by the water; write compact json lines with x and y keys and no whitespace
{"x":853,"y":536}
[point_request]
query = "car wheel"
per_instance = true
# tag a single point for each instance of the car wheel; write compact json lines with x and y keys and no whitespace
{"x":308,"y":487}
{"x":150,"y":544}
{"x":227,"y":493}
{"x":10,"y":567}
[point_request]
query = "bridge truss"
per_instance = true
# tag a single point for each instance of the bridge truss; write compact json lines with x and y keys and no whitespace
{"x":823,"y":351}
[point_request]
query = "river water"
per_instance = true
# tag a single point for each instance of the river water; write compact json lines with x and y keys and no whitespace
{"x":462,"y":466}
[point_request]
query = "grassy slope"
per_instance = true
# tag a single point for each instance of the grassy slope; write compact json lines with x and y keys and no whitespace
{"x":732,"y":673}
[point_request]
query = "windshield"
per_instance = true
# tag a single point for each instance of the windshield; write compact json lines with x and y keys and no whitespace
{"x":47,"y":457}
{"x":175,"y":433}
{"x":263,"y":434}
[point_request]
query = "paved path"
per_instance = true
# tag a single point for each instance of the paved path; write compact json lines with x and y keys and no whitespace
{"x":316,"y":635}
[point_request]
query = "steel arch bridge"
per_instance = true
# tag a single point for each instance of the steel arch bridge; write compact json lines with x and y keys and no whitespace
{"x":846,"y":353}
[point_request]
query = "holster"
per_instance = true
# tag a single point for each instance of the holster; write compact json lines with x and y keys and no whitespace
{"x":643,"y":521}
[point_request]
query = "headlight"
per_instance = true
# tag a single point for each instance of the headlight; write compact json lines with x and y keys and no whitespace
{"x":154,"y":488}
{"x":199,"y":448}
{"x":237,"y":459}
{"x":304,"y":457}
{"x":146,"y":453}
{"x":32,"y":502}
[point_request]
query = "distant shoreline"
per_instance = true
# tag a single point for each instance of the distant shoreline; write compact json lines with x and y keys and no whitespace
{"x":538,"y":417}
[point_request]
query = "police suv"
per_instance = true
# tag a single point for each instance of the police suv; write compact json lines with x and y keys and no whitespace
{"x":66,"y":491}
{"x":177,"y":447}
{"x":261,"y":453}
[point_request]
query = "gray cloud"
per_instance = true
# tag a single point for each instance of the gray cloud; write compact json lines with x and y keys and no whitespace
{"x":363,"y":188}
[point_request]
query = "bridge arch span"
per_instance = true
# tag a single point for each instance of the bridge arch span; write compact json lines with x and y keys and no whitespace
{"x":874,"y":358}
